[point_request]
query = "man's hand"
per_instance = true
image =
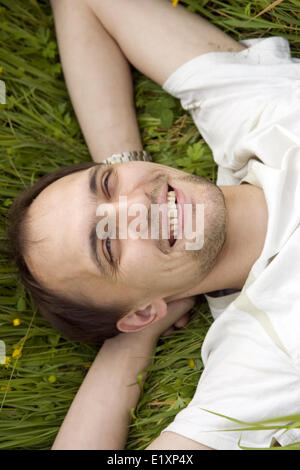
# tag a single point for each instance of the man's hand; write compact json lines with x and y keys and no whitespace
{"x":177,"y":317}
{"x":180,"y":309}
{"x":103,"y":403}
{"x":110,"y":389}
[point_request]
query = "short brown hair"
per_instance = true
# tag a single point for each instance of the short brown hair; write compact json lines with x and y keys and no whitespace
{"x":77,"y":320}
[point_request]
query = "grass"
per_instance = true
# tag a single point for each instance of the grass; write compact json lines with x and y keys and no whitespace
{"x":39,"y":133}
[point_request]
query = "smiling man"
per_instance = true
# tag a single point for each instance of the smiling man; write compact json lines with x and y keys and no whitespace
{"x":244,"y":99}
{"x":124,"y":268}
{"x":60,"y":230}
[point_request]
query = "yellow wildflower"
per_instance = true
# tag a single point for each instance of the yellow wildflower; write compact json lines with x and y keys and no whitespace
{"x":175,"y":3}
{"x":192,"y":363}
{"x":52,"y":379}
{"x":16,"y":321}
{"x":17,"y":353}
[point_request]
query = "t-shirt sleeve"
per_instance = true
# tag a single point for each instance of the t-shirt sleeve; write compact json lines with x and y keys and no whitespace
{"x":247,"y":378}
{"x":231,"y":94}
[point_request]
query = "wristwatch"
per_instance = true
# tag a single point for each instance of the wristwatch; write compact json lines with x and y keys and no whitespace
{"x":132,"y":156}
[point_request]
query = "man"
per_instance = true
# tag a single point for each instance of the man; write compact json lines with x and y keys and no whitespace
{"x":244,"y":99}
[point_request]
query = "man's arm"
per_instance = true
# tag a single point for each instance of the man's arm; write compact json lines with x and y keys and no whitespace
{"x":100,"y":413}
{"x":97,"y":40}
{"x":98,"y":78}
{"x":157,"y":38}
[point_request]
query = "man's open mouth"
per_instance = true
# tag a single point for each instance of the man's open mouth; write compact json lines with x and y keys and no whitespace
{"x":172,"y":215}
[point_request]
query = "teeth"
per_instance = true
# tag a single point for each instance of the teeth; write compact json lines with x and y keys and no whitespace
{"x":172,"y":213}
{"x":171,"y":196}
{"x":173,"y":231}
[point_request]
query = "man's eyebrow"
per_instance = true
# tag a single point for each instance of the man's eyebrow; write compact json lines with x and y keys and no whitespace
{"x":93,"y":238}
{"x":93,"y":179}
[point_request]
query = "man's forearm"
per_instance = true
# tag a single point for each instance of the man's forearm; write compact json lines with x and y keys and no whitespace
{"x":99,"y":80}
{"x":100,"y":413}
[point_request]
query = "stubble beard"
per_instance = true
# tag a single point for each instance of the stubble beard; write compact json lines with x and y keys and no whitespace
{"x":215,"y":225}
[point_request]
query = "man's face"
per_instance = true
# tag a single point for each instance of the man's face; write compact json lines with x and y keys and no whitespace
{"x":62,"y":222}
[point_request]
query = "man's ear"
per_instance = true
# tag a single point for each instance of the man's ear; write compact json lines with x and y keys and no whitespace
{"x":139,"y":319}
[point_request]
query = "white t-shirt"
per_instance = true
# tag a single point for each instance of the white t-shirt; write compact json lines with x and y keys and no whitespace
{"x":246,"y":106}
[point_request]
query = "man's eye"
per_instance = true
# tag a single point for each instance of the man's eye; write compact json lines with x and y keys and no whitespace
{"x":105,"y":183}
{"x":108,"y":248}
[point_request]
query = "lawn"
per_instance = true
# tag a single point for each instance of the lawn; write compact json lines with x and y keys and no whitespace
{"x":38,"y":134}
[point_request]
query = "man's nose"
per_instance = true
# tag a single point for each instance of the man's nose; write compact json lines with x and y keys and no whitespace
{"x":132,"y":207}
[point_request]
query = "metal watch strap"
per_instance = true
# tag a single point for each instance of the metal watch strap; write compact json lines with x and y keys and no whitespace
{"x":132,"y":156}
